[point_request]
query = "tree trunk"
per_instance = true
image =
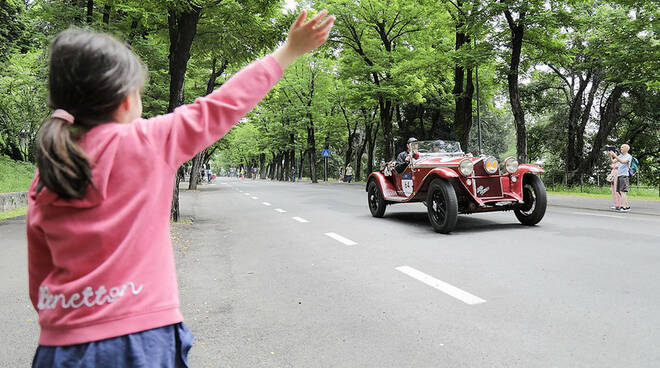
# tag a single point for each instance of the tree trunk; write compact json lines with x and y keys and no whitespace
{"x":311,"y":147}
{"x":609,"y":117}
{"x":463,"y":92}
{"x":182,"y":29}
{"x":90,"y":11}
{"x":106,"y":14}
{"x":517,"y":32}
{"x":194,"y":171}
{"x":386,"y":123}
{"x":358,"y":157}
{"x":262,"y":166}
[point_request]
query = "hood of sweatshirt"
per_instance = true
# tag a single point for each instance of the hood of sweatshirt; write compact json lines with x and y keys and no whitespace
{"x":100,"y":142}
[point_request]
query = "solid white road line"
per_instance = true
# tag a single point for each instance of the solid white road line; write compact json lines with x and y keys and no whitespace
{"x":341,"y":239}
{"x":299,"y":219}
{"x":254,"y":197}
{"x":265,"y":203}
{"x":599,"y":215}
{"x":280,"y":210}
{"x":446,"y":288}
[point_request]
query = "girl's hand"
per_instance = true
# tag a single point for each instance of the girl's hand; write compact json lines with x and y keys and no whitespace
{"x":304,"y":37}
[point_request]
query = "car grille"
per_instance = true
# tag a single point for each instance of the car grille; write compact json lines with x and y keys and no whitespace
{"x":488,"y":187}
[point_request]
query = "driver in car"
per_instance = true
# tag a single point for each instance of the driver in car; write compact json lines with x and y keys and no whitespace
{"x":403,"y":158}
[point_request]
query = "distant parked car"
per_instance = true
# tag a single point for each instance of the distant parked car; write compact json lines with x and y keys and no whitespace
{"x":450,"y":182}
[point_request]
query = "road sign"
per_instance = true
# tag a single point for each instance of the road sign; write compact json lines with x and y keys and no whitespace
{"x":325,"y":153}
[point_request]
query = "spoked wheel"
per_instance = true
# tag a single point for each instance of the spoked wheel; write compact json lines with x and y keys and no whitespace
{"x":376,"y":200}
{"x":442,"y":206}
{"x":534,"y":201}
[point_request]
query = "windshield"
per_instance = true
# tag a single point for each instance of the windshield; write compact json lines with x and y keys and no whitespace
{"x":439,"y":147}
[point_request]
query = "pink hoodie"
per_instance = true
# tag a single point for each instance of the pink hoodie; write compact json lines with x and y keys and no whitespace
{"x":102,"y":266}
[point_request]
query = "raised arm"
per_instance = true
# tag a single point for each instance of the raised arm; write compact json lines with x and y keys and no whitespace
{"x":191,"y":128}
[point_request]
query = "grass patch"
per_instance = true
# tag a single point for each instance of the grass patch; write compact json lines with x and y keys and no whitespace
{"x":182,"y":222}
{"x":13,"y":213}
{"x":644,"y":194}
{"x":15,"y":176}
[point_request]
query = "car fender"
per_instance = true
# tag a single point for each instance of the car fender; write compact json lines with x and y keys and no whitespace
{"x":386,"y":186}
{"x":443,"y":172}
{"x":525,"y":168}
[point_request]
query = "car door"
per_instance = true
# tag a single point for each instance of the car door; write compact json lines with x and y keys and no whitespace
{"x":404,"y":182}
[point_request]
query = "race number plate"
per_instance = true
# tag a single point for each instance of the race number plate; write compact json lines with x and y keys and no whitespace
{"x":407,"y":184}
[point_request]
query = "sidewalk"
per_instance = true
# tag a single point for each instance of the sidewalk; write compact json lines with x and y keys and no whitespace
{"x":651,"y":208}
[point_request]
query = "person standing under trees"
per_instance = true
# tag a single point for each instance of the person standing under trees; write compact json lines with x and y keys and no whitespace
{"x":349,"y":173}
{"x":616,"y":196}
{"x":623,"y":180}
{"x":101,"y":267}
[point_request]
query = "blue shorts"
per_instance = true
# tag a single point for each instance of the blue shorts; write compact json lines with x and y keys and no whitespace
{"x":165,"y":347}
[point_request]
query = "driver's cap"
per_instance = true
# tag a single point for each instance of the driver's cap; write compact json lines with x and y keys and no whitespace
{"x":412,"y":139}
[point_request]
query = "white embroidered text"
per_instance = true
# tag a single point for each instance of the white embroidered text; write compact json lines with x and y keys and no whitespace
{"x":87,"y":298}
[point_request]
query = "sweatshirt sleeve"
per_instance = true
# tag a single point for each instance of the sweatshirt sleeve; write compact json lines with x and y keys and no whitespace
{"x":179,"y":135}
{"x":40,"y":263}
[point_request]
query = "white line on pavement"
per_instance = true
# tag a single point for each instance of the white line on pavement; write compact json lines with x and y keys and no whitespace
{"x":341,"y":239}
{"x":446,"y":288}
{"x":265,"y":203}
{"x":254,"y":197}
{"x":597,"y":214}
{"x":299,"y":219}
{"x":280,"y":210}
{"x":247,"y":194}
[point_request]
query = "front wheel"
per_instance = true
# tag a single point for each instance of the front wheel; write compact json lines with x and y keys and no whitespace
{"x":534,"y":203}
{"x":442,"y":206}
{"x":376,"y":200}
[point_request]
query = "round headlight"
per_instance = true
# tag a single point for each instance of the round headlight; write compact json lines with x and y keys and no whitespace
{"x":491,"y":165}
{"x":511,"y":165}
{"x":466,"y":167}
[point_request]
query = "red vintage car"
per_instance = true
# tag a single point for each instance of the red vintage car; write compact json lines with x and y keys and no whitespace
{"x":450,"y":182}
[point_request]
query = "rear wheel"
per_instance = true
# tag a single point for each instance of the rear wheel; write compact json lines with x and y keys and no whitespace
{"x":376,"y":200}
{"x":442,"y":206}
{"x":534,"y":201}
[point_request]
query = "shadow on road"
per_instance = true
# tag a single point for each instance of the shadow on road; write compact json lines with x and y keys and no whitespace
{"x":465,"y":223}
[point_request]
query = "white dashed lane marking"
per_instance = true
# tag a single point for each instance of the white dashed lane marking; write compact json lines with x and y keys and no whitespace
{"x":341,"y":239}
{"x":299,"y":219}
{"x":446,"y":288}
{"x":265,"y":203}
{"x":280,"y":210}
{"x":254,"y":197}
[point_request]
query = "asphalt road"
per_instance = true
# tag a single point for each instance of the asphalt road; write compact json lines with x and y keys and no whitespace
{"x":324,"y":284}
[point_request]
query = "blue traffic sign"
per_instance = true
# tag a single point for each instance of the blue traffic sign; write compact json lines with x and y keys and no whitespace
{"x":325,"y":153}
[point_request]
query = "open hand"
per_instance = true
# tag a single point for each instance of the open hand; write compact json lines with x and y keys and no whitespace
{"x":304,"y":37}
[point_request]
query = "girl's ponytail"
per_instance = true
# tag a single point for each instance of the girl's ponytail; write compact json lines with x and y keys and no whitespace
{"x":63,"y":166}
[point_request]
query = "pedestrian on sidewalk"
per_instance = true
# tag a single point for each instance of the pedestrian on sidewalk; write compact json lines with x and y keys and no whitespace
{"x":100,"y":261}
{"x":349,"y":173}
{"x":612,"y":178}
{"x":623,"y":181}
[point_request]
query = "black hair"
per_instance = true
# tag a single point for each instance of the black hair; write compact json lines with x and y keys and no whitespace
{"x":90,"y":74}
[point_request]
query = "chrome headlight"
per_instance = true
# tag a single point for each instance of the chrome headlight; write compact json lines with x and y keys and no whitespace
{"x":491,"y":165}
{"x":466,"y":167}
{"x":511,"y":165}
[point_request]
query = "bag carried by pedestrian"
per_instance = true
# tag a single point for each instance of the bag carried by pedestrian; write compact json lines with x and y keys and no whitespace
{"x":633,"y":167}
